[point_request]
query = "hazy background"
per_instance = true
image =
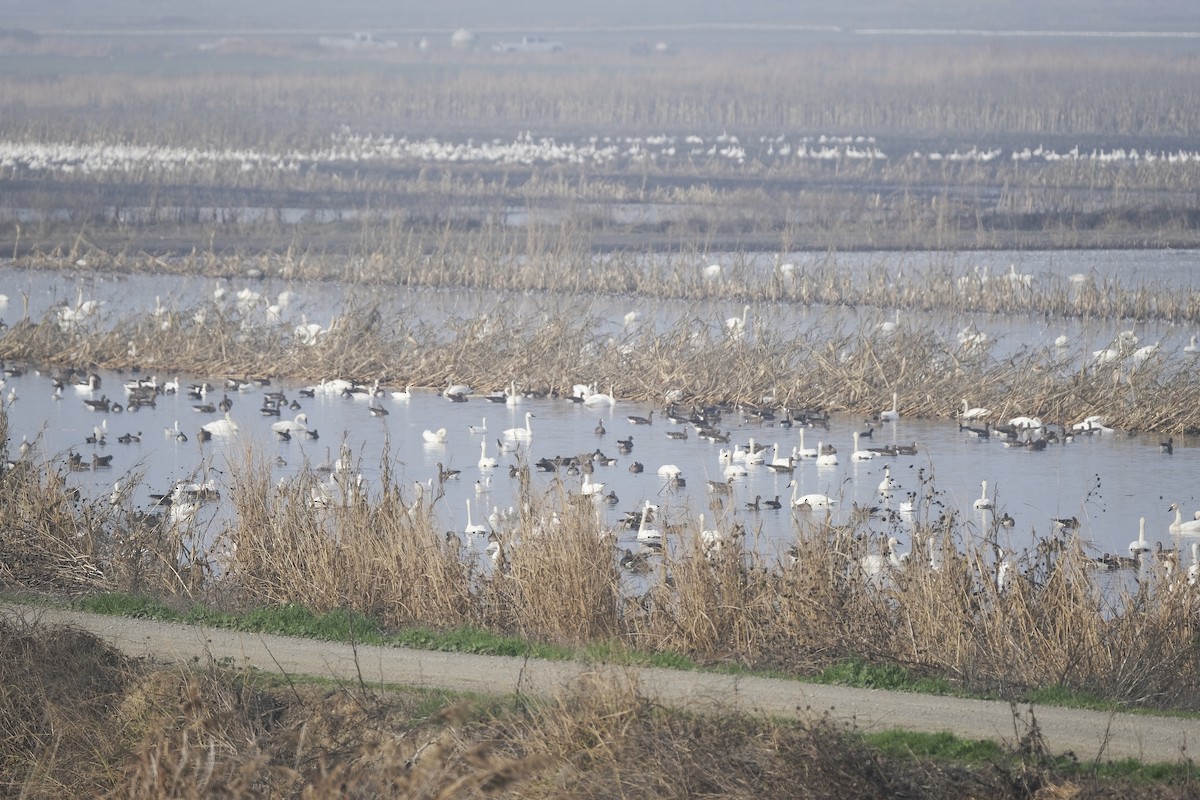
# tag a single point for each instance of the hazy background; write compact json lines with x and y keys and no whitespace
{"x":552,"y":15}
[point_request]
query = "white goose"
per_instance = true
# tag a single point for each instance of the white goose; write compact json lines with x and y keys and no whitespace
{"x":521,"y":434}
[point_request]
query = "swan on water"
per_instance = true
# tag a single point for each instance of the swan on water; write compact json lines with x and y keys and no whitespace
{"x":221,"y":427}
{"x":521,"y":434}
{"x":983,"y":503}
{"x":891,"y":414}
{"x":434,"y":437}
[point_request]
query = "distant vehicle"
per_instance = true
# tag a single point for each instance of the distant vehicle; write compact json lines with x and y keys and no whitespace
{"x":529,"y":44}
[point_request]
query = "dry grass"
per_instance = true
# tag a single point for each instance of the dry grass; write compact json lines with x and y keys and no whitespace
{"x":205,"y":732}
{"x":383,"y":554}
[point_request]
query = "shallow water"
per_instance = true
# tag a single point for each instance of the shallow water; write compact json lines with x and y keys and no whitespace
{"x":1107,"y":480}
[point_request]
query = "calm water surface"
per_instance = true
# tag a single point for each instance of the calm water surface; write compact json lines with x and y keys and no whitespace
{"x":1107,"y":480}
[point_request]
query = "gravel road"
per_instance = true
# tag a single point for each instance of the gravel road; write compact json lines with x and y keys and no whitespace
{"x":1087,"y":734}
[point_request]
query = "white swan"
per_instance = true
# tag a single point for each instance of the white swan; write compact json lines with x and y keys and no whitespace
{"x":1192,"y":526}
{"x":887,"y":487}
{"x":403,"y":395}
{"x":825,"y":459}
{"x":645,"y":532}
{"x":1192,"y":349}
{"x":221,"y":427}
{"x":480,"y":428}
{"x":521,"y":434}
{"x":486,"y":461}
{"x":434,"y":437}
{"x":891,"y":414}
{"x":1140,"y":546}
{"x":805,"y":452}
{"x":975,"y":412}
{"x":289,"y":426}
{"x":472,"y":529}
{"x":809,"y":501}
{"x":600,"y":398}
{"x":876,"y":566}
{"x":860,"y":455}
{"x":511,"y":396}
{"x":888,"y":327}
{"x":736,"y":326}
{"x":984,"y":503}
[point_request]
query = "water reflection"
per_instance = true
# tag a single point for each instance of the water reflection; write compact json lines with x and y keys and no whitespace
{"x":1105,"y":482}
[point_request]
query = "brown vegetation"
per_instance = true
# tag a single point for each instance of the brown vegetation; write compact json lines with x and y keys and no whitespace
{"x":204,"y":732}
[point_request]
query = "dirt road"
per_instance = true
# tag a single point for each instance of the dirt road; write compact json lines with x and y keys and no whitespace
{"x":1085,"y":733}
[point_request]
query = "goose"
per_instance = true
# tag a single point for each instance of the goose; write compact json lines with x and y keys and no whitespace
{"x":983,"y":503}
{"x":774,"y":505}
{"x":634,"y":419}
{"x":975,"y":412}
{"x":1025,"y":423}
{"x":1192,"y":526}
{"x":521,"y":434}
{"x":860,"y":455}
{"x":599,"y":429}
{"x":289,"y":426}
{"x":472,"y":529}
{"x":221,"y":427}
{"x":480,"y":428}
{"x":589,"y":488}
{"x":486,"y":461}
{"x":377,"y":410}
{"x":88,"y":385}
{"x":891,"y":414}
{"x":1168,"y":446}
{"x":434,"y":437}
{"x":826,"y":458}
{"x":444,"y":473}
